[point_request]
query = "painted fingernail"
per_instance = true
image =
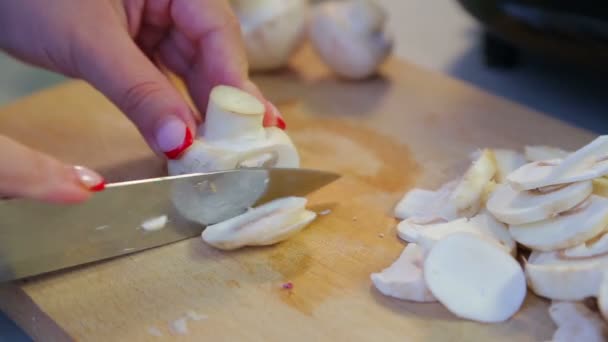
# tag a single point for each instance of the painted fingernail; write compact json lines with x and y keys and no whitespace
{"x":173,"y":137}
{"x":274,"y":116}
{"x":281,"y":123}
{"x":90,"y":179}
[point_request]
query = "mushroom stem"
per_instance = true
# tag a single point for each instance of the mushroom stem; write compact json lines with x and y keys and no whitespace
{"x":233,"y":114}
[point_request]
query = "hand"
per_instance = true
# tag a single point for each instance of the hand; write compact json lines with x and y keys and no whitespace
{"x":121,"y":47}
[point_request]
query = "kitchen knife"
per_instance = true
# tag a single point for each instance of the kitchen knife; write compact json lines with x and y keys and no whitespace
{"x":38,"y":237}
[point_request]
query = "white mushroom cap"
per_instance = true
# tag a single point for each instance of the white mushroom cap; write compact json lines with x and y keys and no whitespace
{"x":272,"y":30}
{"x":350,"y":37}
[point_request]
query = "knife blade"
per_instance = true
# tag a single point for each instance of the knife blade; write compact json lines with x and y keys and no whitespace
{"x":37,"y":237}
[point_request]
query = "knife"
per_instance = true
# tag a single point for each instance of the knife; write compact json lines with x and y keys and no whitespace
{"x":37,"y":237}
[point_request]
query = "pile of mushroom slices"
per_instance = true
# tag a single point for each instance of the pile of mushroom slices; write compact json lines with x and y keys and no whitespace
{"x":463,"y":238}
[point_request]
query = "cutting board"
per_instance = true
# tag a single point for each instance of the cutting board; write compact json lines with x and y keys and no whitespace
{"x":407,"y":127}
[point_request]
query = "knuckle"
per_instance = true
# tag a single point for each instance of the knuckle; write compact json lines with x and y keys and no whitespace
{"x":137,"y":95}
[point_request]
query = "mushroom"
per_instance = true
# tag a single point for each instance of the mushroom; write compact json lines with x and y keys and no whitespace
{"x":542,"y":152}
{"x":268,"y":224}
{"x":587,"y":163}
{"x":474,"y":278}
{"x":350,"y":36}
{"x":507,"y":161}
{"x":233,"y":136}
{"x":592,"y":248}
{"x":423,"y":206}
{"x":600,"y":186}
{"x":468,"y":194}
{"x":552,"y":276}
{"x":404,"y":278}
{"x":566,"y":230}
{"x":483,"y":224}
{"x":272,"y":30}
{"x":155,"y":223}
{"x":602,"y":297}
{"x":520,"y":207}
{"x":575,"y":322}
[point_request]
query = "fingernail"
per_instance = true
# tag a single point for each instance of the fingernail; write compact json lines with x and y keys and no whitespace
{"x":90,"y":179}
{"x":281,"y":123}
{"x":273,"y":116}
{"x":173,"y":137}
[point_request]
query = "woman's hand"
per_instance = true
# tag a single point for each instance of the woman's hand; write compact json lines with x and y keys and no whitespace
{"x":120,"y":47}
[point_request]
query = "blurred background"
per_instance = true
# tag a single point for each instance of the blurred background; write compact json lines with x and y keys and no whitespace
{"x":442,"y":36}
{"x":551,"y":57}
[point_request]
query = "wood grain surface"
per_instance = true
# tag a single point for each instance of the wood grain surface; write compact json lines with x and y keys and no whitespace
{"x":407,"y":127}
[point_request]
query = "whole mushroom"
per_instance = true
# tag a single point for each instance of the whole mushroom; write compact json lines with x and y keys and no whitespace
{"x":350,"y":36}
{"x":272,"y":30}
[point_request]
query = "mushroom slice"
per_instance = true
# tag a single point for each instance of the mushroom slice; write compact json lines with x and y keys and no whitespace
{"x":507,"y":161}
{"x":520,"y":207}
{"x":602,"y":297}
{"x":468,"y":194}
{"x":268,"y":224}
{"x":554,"y":277}
{"x":541,"y":152}
{"x":600,"y":186}
{"x":586,"y":163}
{"x":592,"y":248}
{"x":575,"y":322}
{"x":566,"y":230}
{"x":424,"y":206}
{"x":475,"y":278}
{"x":404,"y":278}
{"x":483,"y":223}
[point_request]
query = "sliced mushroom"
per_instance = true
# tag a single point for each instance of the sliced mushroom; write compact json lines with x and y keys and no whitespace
{"x":507,"y":161}
{"x":265,"y":225}
{"x":600,"y":186}
{"x":567,"y":229}
{"x":602,"y":297}
{"x":575,"y":322}
{"x":423,"y":206}
{"x":468,"y":194}
{"x":586,"y":163}
{"x":521,"y":207}
{"x":541,"y":152}
{"x":404,"y":278}
{"x":475,"y":278}
{"x":483,"y":223}
{"x":592,"y":248}
{"x":554,"y":277}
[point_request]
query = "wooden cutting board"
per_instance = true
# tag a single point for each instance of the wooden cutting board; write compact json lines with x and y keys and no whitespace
{"x":408,"y":127}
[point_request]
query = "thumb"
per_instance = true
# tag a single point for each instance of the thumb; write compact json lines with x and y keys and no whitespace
{"x":121,"y":71}
{"x":34,"y":175}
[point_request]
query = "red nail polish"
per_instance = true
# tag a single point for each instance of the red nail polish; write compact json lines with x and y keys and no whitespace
{"x":99,"y":186}
{"x":175,"y":153}
{"x":281,"y":123}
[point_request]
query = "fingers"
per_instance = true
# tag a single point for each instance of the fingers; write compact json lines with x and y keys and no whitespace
{"x":31,"y":174}
{"x":118,"y":68}
{"x":220,"y":56}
